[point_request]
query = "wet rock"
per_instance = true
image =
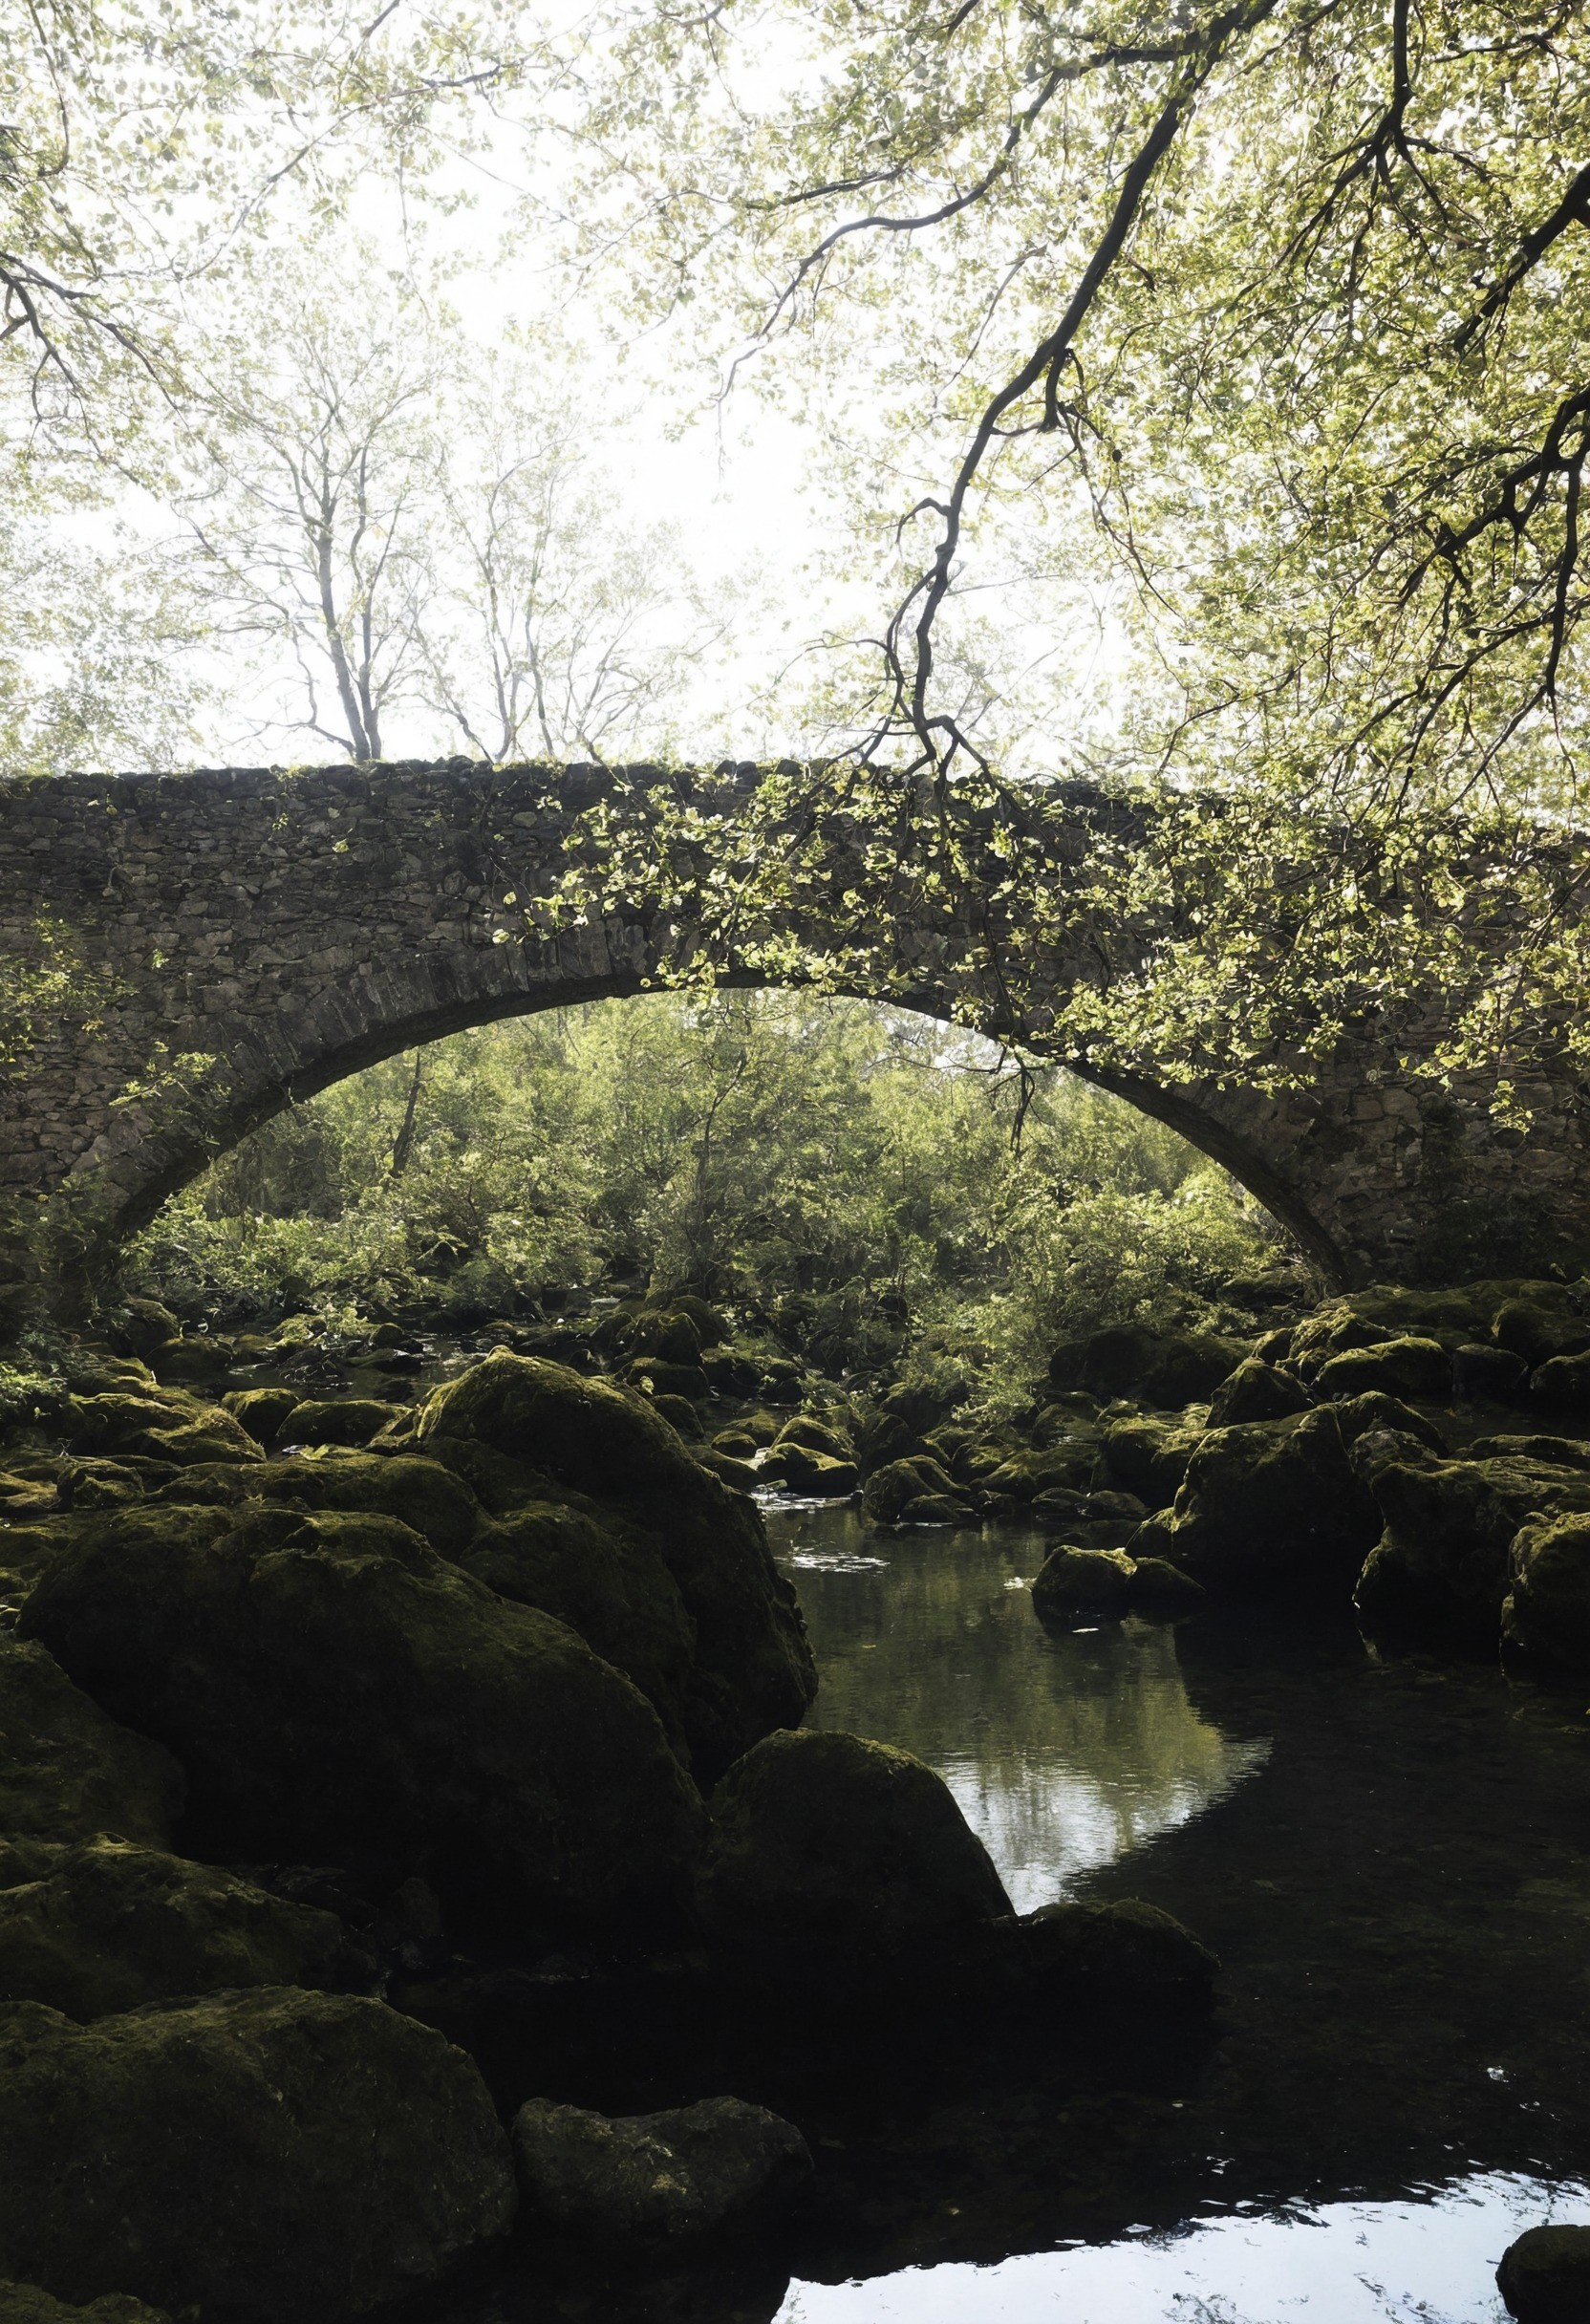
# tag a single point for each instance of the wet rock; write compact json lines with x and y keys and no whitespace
{"x":803,"y":1469}
{"x":730,"y":1371}
{"x":335,"y":1690}
{"x":1544,"y":2276}
{"x":657,"y":2179}
{"x":1479,"y":1371}
{"x":1256,"y":1391}
{"x":200,"y":1359}
{"x":1540,"y":1326}
{"x":1126,"y":1950}
{"x":1159,"y":1587}
{"x":26,"y":2304}
{"x":1271,"y":1507}
{"x":739,"y":1474}
{"x":653,"y":1376}
{"x":1556,"y":1451}
{"x":261,"y":1410}
{"x":338,"y":1420}
{"x":1443,"y":1555}
{"x":827,"y":1846}
{"x":711,"y":1325}
{"x":815,"y":1437}
{"x":1082,"y":1583}
{"x":104,"y":1926}
{"x":753,"y":1669}
{"x":419,"y":1492}
{"x":66,"y":1770}
{"x":890,"y":1489}
{"x":934,"y":1509}
{"x":607,"y":1583}
{"x":1546,"y":1611}
{"x":669,"y":1333}
{"x":1391,"y":1367}
{"x":252,"y":2155}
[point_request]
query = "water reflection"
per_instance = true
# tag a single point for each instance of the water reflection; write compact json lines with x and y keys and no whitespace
{"x":1430,"y":2262}
{"x":1065,"y":1752}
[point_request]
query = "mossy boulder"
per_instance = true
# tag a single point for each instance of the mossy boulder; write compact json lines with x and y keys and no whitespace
{"x":335,"y":1690}
{"x":261,"y":1410}
{"x":1441,"y":1558}
{"x":201,"y":1359}
{"x":667,"y":1332}
{"x":1481,"y":1371}
{"x":891,"y":1489}
{"x":419,"y":1493}
{"x":251,"y":2154}
{"x":1562,"y":1385}
{"x":1147,"y":1458}
{"x":817,"y":1437}
{"x":654,"y":1376}
{"x":655,"y":2180}
{"x":730,"y":1371}
{"x":167,"y":1426}
{"x":1408,"y":1366}
{"x":753,"y":1669}
{"x":1271,"y":1507}
{"x":103,"y":1927}
{"x":608,"y":1582}
{"x":67,"y":1771}
{"x":1256,"y":1391}
{"x":139,"y":1326}
{"x":1540,"y":1326}
{"x":1123,"y":1951}
{"x":826,"y":1845}
{"x":805,"y":1471}
{"x":1085,"y":1584}
{"x":1544,"y":2275}
{"x":26,"y":2304}
{"x":336,"y":1420}
{"x":1546,"y":1611}
{"x":681,"y":1415}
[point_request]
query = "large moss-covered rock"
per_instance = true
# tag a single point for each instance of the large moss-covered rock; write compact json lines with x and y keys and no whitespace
{"x":26,"y":2304}
{"x":1544,"y":2275}
{"x":827,"y":1846}
{"x":1546,"y":1611}
{"x":163,"y":1424}
{"x":1269,"y":1508}
{"x":419,"y":1493}
{"x":1448,"y":1527}
{"x":1122,"y":1952}
{"x":66,"y":1770}
{"x":752,"y":1669}
{"x":1256,"y":1391}
{"x":1084,"y":1585}
{"x":261,"y":1410}
{"x":104,"y":1926}
{"x":1407,"y":1366}
{"x":606,"y":1581}
{"x":336,"y":1689}
{"x":1562,"y":1384}
{"x":249,"y":2156}
{"x":1149,"y":1458}
{"x":891,"y":1489}
{"x":657,"y":2179}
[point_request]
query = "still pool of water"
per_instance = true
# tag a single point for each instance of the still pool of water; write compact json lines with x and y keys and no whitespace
{"x":1392,"y":1855}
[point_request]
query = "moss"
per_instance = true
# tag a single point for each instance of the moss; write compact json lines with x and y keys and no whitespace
{"x":66,"y":1769}
{"x":1407,"y":1366}
{"x":262,"y":1410}
{"x":1546,"y":1611}
{"x":341,"y":1420}
{"x":657,"y":2179}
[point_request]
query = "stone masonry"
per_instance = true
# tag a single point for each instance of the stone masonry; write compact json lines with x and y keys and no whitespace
{"x":246,"y":938}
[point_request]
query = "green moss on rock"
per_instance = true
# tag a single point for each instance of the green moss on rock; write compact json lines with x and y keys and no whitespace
{"x":68,"y":1771}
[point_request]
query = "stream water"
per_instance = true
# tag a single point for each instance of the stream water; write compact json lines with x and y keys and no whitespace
{"x":1391,"y":1854}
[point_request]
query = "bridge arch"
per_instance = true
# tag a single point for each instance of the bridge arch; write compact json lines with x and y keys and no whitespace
{"x":248,"y":937}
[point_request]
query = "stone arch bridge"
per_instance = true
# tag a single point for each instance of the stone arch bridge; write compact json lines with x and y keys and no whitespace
{"x":244,"y":939}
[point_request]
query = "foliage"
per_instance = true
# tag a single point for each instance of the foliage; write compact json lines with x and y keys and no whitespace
{"x":845,"y":1178}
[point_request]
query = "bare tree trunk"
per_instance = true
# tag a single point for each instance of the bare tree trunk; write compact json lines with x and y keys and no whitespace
{"x":403,"y":1143}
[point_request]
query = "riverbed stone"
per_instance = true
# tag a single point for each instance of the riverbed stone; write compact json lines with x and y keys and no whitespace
{"x":249,"y":2155}
{"x":1544,"y":2275}
{"x":104,"y":1926}
{"x":66,"y":1770}
{"x":1269,"y":1508}
{"x":1082,"y":1583}
{"x":657,"y":2179}
{"x":261,"y":1410}
{"x":336,"y":1420}
{"x":1148,"y":1456}
{"x":752,"y":1669}
{"x":827,"y":1846}
{"x":1256,"y":1391}
{"x":338,"y":1691}
{"x":889,"y":1490}
{"x":1126,"y":1951}
{"x":165,"y":1425}
{"x":1441,"y":1558}
{"x":1546,"y":1611}
{"x":1562,"y":1385}
{"x":1168,"y":1368}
